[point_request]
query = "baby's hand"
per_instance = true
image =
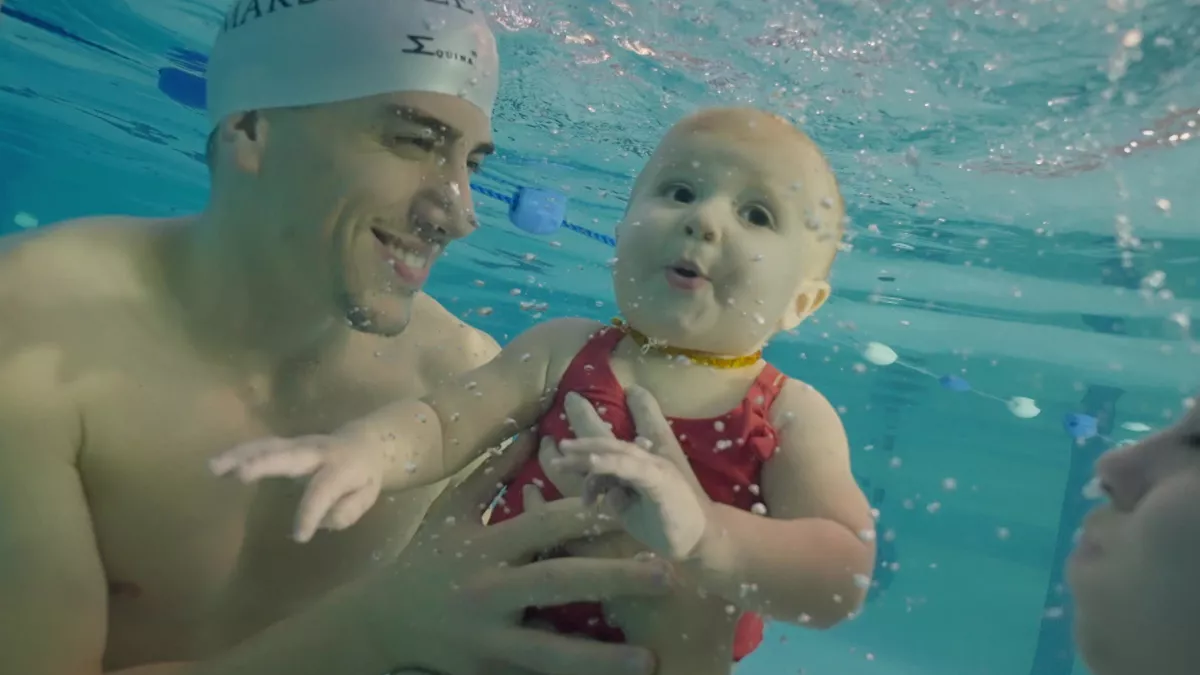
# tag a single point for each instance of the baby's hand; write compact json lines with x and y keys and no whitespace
{"x":649,"y":485}
{"x":646,"y":492}
{"x":346,"y":476}
{"x":569,"y":483}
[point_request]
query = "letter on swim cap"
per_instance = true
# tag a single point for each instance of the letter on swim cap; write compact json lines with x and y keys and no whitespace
{"x":284,"y":53}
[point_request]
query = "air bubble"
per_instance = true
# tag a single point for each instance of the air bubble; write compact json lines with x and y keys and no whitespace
{"x":25,"y":221}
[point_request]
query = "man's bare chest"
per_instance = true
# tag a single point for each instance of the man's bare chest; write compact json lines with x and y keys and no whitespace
{"x":194,"y":561}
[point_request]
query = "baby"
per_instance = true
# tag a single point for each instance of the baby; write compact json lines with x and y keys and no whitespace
{"x":729,"y":236}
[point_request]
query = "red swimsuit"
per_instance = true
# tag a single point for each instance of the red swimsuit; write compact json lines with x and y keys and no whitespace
{"x":727,"y":454}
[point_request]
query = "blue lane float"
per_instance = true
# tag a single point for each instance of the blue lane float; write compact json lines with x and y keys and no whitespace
{"x":1081,"y":427}
{"x":537,"y":211}
{"x":954,"y":383}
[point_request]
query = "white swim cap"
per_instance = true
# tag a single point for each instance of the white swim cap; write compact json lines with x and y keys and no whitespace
{"x":284,"y":53}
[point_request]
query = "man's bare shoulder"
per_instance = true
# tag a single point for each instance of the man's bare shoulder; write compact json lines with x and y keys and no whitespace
{"x":446,"y":342}
{"x":55,"y":284}
{"x":80,"y":260}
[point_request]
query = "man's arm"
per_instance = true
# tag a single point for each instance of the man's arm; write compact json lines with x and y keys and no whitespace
{"x":810,"y":559}
{"x":52,"y":584}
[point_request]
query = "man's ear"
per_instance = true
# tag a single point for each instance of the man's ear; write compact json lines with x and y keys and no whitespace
{"x":811,"y":295}
{"x":244,"y":136}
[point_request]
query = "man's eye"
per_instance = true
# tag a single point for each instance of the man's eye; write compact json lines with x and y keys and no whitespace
{"x":422,"y":143}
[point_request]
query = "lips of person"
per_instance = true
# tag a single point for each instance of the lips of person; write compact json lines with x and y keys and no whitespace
{"x":685,"y":276}
{"x":410,"y":261}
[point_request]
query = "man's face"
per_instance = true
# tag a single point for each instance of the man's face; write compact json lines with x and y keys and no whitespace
{"x":364,"y":196}
{"x":1134,"y":573}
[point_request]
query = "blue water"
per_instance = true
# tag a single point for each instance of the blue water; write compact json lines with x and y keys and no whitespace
{"x":1021,"y":178}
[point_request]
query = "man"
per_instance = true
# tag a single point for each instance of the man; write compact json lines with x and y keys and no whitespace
{"x":132,"y":351}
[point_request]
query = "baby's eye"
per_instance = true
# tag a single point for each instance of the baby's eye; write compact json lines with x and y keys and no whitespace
{"x":681,"y":193}
{"x":756,"y":215}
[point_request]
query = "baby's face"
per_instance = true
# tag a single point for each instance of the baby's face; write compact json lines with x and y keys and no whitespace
{"x":727,"y":238}
{"x":1136,"y":571}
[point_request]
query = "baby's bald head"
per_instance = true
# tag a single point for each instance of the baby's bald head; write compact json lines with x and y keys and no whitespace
{"x":787,"y":155}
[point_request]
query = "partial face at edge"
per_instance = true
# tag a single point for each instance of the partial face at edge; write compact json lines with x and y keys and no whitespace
{"x":364,"y":196}
{"x":1135,"y":572}
{"x":749,"y":221}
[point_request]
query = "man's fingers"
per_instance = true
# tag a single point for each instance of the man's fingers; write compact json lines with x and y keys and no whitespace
{"x":532,"y":498}
{"x":553,"y":524}
{"x":558,"y":581}
{"x":583,"y":418}
{"x":546,"y":653}
{"x":548,"y":451}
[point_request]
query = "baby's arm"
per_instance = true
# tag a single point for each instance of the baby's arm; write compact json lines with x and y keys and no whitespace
{"x":810,"y":560}
{"x":428,"y":440}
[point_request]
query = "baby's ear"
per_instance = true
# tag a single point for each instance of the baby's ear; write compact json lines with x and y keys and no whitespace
{"x":809,"y":297}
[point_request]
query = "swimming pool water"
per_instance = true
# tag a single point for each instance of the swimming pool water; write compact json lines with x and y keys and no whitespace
{"x":1020,"y":177}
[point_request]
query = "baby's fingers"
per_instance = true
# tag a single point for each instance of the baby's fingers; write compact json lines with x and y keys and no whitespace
{"x":274,"y":457}
{"x":327,"y":488}
{"x":231,"y":459}
{"x":595,"y":487}
{"x":291,"y":463}
{"x":350,"y":508}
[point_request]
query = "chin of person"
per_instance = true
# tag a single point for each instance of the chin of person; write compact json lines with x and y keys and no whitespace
{"x":382,"y":315}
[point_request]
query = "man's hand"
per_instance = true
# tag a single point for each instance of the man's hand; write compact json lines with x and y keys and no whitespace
{"x":453,"y":602}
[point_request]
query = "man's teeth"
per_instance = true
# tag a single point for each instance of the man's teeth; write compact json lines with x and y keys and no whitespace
{"x":412,"y":259}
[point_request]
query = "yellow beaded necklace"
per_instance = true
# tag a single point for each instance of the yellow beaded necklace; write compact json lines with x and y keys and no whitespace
{"x":697,"y":357}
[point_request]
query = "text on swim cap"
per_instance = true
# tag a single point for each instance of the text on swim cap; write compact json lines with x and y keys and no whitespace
{"x":245,"y":11}
{"x":424,"y":44}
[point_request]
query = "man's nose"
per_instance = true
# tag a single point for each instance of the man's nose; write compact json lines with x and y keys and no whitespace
{"x":451,"y":211}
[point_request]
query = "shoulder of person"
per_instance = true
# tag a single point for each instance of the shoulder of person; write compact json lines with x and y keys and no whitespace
{"x":800,"y":405}
{"x":89,"y":259}
{"x":449,"y":338}
{"x":53,"y":284}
